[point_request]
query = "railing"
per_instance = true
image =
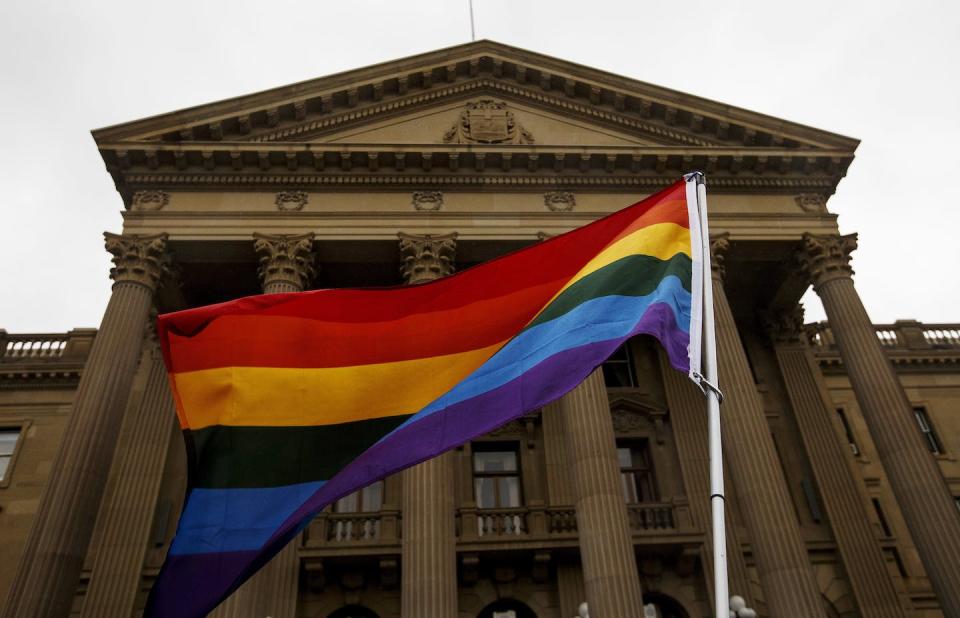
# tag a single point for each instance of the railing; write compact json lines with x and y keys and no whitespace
{"x":17,"y":348}
{"x":352,"y":527}
{"x":357,"y":529}
{"x":901,"y":335}
{"x":502,"y":522}
{"x":536,"y":524}
{"x":945,"y":336}
{"x":561,"y":520}
{"x":650,"y":516}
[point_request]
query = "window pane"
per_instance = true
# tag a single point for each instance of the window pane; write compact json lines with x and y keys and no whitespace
{"x":372,"y":497}
{"x":509,"y":491}
{"x":8,"y":440}
{"x":348,"y":504}
{"x":623,"y":456}
{"x":495,"y":461}
{"x":927,"y":429}
{"x":617,"y":374}
{"x":485,"y":489}
{"x":4,"y":462}
{"x":629,"y":487}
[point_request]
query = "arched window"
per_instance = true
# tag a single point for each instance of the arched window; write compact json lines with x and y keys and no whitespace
{"x":506,"y":608}
{"x":353,"y":611}
{"x":666,"y":606}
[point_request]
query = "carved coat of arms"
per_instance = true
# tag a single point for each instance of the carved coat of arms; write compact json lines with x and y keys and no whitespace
{"x":487,"y":122}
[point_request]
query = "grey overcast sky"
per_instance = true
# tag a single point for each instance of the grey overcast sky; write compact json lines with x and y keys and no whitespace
{"x":881,"y":71}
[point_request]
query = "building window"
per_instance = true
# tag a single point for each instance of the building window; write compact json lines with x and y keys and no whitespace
{"x":926,"y":428}
{"x":848,"y":432}
{"x":496,"y":485}
{"x":358,"y":527}
{"x":8,"y":444}
{"x":636,"y":472}
{"x":496,"y":478}
{"x":618,"y":370}
{"x":366,"y":500}
{"x":881,"y":518}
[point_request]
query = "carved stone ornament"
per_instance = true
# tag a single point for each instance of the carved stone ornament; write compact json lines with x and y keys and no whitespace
{"x":559,"y":201}
{"x":826,"y":257}
{"x":487,"y":122}
{"x":784,"y":326}
{"x":285,"y":259}
{"x":719,"y":245}
{"x":427,"y":200}
{"x":149,"y":200}
{"x":427,"y":257}
{"x":629,"y":421}
{"x":150,"y":338}
{"x":138,"y":259}
{"x":514,"y":428}
{"x":814,"y":203}
{"x":629,"y":417}
{"x":291,"y":200}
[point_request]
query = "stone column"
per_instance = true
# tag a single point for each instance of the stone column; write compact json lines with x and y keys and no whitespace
{"x":780,"y":554}
{"x":429,"y":543}
{"x":842,"y":496}
{"x":687,"y":407}
{"x":915,"y":478}
{"x":123,"y":528}
{"x":286,"y":265}
{"x":50,"y":567}
{"x":610,"y":575}
{"x":556,"y":463}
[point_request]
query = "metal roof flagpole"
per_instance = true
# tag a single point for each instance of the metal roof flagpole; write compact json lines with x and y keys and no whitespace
{"x":708,"y":382}
{"x":473,"y":32}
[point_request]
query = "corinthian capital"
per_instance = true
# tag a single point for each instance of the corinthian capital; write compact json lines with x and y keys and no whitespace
{"x":826,"y":257}
{"x":138,"y":259}
{"x":426,"y":257}
{"x":719,"y":245}
{"x":285,"y":259}
{"x":784,"y":326}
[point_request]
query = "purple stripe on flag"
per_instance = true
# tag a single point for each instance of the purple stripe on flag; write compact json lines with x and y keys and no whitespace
{"x":193,"y":584}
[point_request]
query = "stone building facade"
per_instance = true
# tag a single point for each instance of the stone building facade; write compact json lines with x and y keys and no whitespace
{"x":842,"y":437}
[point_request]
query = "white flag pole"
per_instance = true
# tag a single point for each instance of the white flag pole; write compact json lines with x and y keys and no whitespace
{"x":697,"y":189}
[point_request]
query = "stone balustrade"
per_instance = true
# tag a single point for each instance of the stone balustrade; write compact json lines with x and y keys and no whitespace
{"x":539,"y":524}
{"x":45,"y":347}
{"x":902,"y":335}
{"x":33,"y":346}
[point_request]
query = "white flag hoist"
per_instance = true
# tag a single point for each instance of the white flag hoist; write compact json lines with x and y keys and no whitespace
{"x":703,"y":371}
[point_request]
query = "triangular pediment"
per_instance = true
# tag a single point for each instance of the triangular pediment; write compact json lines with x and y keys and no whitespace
{"x":477,"y":114}
{"x":564,"y":91}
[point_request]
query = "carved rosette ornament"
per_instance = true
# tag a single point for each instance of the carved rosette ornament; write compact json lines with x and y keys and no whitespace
{"x":559,"y":201}
{"x":487,"y":122}
{"x":719,"y":245}
{"x":427,"y":200}
{"x":291,"y":200}
{"x":138,"y":259}
{"x":826,"y":257}
{"x":784,"y":326}
{"x":285,"y":259}
{"x":814,"y":203}
{"x":427,"y":257}
{"x":149,"y":200}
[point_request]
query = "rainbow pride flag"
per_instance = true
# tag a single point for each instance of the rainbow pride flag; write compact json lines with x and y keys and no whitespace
{"x":289,"y":402}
